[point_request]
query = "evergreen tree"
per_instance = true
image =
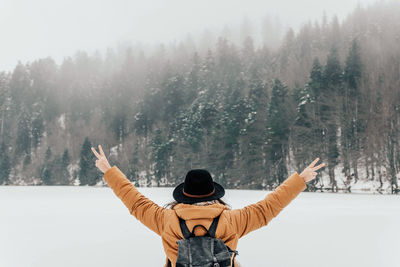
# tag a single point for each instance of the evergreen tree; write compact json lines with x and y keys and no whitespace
{"x":133,"y":172}
{"x":248,"y":53}
{"x":20,"y":84}
{"x":207,"y":80}
{"x":173,"y":96}
{"x":119,"y":122}
{"x":5,"y":164}
{"x":352,"y":124}
{"x":253,"y":138}
{"x":302,"y":131}
{"x":37,"y":130}
{"x":277,"y":133}
{"x":6,"y":118}
{"x":88,"y":174}
{"x":63,"y":167}
{"x":143,"y":120}
{"x":161,"y":150}
{"x":353,"y":70}
{"x":286,"y":51}
{"x":308,"y":131}
{"x":48,"y":154}
{"x":333,"y":87}
{"x":229,"y":65}
{"x":27,"y":161}
{"x":23,"y":139}
{"x":46,"y":175}
{"x":119,"y":105}
{"x":59,"y":169}
{"x":46,"y":169}
{"x":226,"y":150}
{"x":43,"y":75}
{"x":192,"y":85}
{"x":316,"y":82}
{"x":65,"y":158}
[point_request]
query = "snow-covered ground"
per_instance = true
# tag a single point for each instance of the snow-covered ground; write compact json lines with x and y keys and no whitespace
{"x":88,"y":226}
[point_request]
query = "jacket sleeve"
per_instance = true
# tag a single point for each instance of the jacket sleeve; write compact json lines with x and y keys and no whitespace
{"x":259,"y":214}
{"x":145,"y":210}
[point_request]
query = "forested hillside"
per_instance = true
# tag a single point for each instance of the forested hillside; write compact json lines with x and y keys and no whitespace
{"x":249,"y":114}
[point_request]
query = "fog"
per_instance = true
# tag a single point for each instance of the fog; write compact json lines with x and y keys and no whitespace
{"x":35,"y":29}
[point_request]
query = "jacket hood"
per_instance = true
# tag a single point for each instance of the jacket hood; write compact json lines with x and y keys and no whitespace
{"x":188,"y":211}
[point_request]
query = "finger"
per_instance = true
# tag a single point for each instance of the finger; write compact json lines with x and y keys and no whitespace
{"x":318,"y":167}
{"x":95,"y":153}
{"x":101,"y":151}
{"x":313,"y":163}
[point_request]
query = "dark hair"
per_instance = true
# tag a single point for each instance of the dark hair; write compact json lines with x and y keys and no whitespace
{"x":172,"y":204}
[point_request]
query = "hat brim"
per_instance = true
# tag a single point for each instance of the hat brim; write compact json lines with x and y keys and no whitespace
{"x":181,"y":198}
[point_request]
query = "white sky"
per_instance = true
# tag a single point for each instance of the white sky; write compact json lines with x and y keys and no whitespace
{"x":33,"y":29}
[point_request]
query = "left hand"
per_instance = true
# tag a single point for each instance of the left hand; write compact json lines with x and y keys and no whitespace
{"x":101,"y":162}
{"x":309,"y":173}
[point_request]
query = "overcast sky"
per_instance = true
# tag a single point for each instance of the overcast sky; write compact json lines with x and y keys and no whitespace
{"x":31,"y":29}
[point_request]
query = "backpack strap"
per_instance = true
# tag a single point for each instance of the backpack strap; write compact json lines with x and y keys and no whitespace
{"x":187,"y":234}
{"x":185,"y":231}
{"x":213,"y":227}
{"x":199,"y":225}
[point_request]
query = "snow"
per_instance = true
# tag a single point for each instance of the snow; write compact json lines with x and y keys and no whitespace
{"x":89,"y":226}
{"x":61,"y":121}
{"x":303,"y":102}
{"x":114,"y":150}
{"x":72,"y":170}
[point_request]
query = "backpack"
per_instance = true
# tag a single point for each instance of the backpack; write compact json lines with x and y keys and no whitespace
{"x":203,"y":251}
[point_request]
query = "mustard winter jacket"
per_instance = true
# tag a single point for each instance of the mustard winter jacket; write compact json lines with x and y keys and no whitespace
{"x":233,"y":224}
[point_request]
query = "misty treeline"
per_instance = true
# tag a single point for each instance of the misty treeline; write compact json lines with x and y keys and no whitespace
{"x":250,"y":115}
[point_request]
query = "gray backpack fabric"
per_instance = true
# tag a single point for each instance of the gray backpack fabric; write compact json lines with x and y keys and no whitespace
{"x":203,"y":251}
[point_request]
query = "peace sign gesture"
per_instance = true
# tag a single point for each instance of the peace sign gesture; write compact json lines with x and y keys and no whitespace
{"x":101,"y":161}
{"x":309,"y":173}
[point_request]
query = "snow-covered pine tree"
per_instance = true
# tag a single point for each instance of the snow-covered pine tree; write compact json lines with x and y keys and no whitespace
{"x":5,"y":164}
{"x":332,"y":86}
{"x":277,"y":130}
{"x":88,"y":173}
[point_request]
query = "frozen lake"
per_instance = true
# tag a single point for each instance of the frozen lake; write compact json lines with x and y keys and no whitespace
{"x":87,"y":226}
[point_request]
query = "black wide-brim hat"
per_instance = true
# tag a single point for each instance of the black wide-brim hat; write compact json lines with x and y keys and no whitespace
{"x":198,"y":187}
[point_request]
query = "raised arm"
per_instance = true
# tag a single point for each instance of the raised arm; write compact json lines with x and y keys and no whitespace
{"x":261,"y":213}
{"x":145,"y":210}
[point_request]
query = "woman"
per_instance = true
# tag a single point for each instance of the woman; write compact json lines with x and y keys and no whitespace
{"x":198,"y":202}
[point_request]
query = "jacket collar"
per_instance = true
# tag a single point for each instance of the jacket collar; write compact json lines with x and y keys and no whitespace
{"x":187,"y":211}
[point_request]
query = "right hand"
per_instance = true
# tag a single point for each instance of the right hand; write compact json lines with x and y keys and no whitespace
{"x":101,"y":162}
{"x":310,"y":173}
